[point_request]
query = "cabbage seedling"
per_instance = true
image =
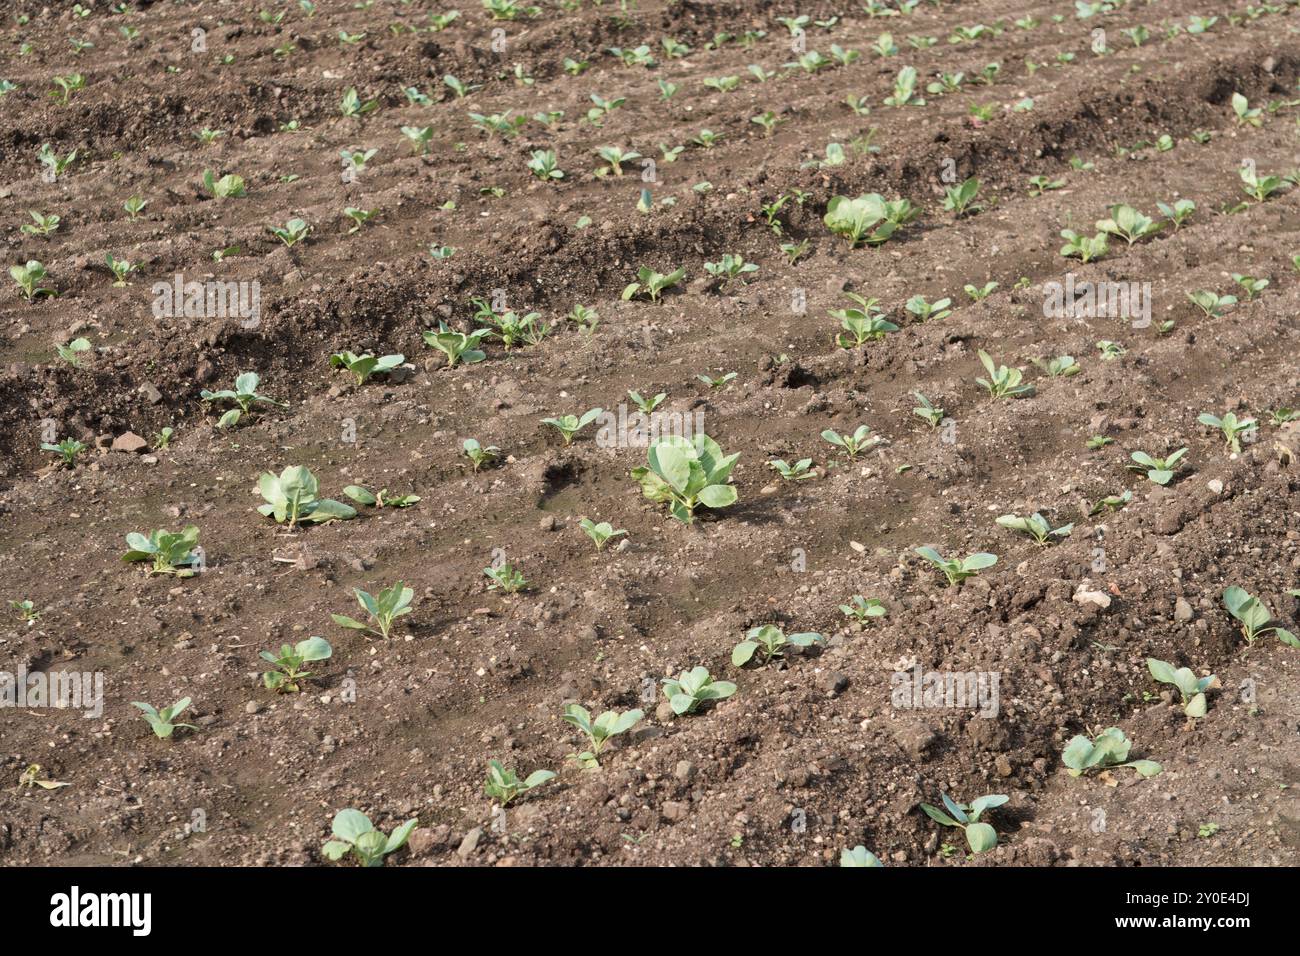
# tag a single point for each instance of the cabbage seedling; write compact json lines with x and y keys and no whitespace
{"x":1253,"y":617}
{"x":862,"y":609}
{"x":615,"y":157}
{"x":958,"y":569}
{"x":352,"y":104}
{"x":1252,"y":286}
{"x":691,"y":688}
{"x":687,"y":473}
{"x":927,"y":411}
{"x":730,"y":268}
{"x":570,"y":425}
{"x":979,"y":293}
{"x":120,"y":268}
{"x":384,"y":608}
{"x":68,"y":448}
{"x":288,"y":674}
{"x":419,"y":137}
{"x":382,"y":499}
{"x":163,"y":721}
{"x":1062,"y":366}
{"x":291,"y":233}
{"x":244,"y":395}
{"x":1158,"y":470}
{"x":457,"y":346}
{"x":718,"y":382}
{"x":363,"y":366}
{"x":26,"y":610}
{"x":859,"y":856}
{"x":1084,"y":247}
{"x":1110,"y":503}
{"x":958,"y":199}
{"x":1178,"y":212}
{"x":598,"y":731}
{"x":1002,"y":381}
{"x":646,"y":405}
{"x":228,"y":186}
{"x":923,"y":310}
{"x":769,"y":641}
{"x":1259,"y":189}
{"x":800,"y":470}
{"x":292,"y":498}
{"x":869,"y":218}
{"x":652,"y":284}
{"x":1232,"y":428}
{"x":600,"y":533}
{"x":53,"y":162}
{"x":1190,"y":687}
{"x":479,"y":455}
{"x":855,"y":444}
{"x":979,"y":836}
{"x":41,"y":224}
{"x":172,"y":552}
{"x":71,"y":353}
{"x":354,"y":833}
{"x":1211,"y":303}
{"x":905,"y":89}
{"x":544,"y":164}
{"x":28,"y":277}
{"x":1246,"y":115}
{"x":506,"y":578}
{"x":1036,"y":526}
{"x":504,"y":786}
{"x":1129,"y":224}
{"x":1108,"y":749}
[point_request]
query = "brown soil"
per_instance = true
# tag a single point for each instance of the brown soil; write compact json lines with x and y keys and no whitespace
{"x":473,"y":675}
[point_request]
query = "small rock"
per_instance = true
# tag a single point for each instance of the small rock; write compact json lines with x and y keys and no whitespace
{"x":129,"y":442}
{"x":470,"y":843}
{"x":1182,"y":610}
{"x":1215,"y":485}
{"x":684,"y":771}
{"x":674,"y":811}
{"x":1099,"y":598}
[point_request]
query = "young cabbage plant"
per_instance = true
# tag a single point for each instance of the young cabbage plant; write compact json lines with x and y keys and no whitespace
{"x":853,"y":445}
{"x":1233,"y":429}
{"x":956,"y":570}
{"x":293,"y":498}
{"x":1190,"y":687}
{"x":383,"y":609}
{"x":504,"y":786}
{"x":978,"y":293}
{"x":718,"y":382}
{"x":544,"y":164}
{"x":1036,"y":526}
{"x":479,"y":455}
{"x":1002,"y":382}
{"x":646,"y":406}
{"x":1211,"y":303}
{"x":692,"y":688}
{"x":68,"y":448}
{"x":1254,"y":617}
{"x":730,"y":268}
{"x":1177,"y":212}
{"x":363,"y":366}
{"x":1085,"y":248}
{"x":959,"y":199}
{"x":505,"y":578}
{"x":800,"y":470}
{"x":859,"y":856}
{"x":770,"y":642}
{"x":652,"y":284}
{"x":41,"y":224}
{"x":1250,"y":285}
{"x":244,"y":395}
{"x":288,"y":675}
{"x":1128,"y":224}
{"x":600,"y":532}
{"x":172,"y":552}
{"x":1259,"y":188}
{"x":380,"y":499}
{"x":457,"y":346}
{"x":598,"y":731}
{"x":862,"y":609}
{"x":864,"y":324}
{"x":687,"y":473}
{"x":1158,"y":470}
{"x":867,"y":219}
{"x":354,"y":833}
{"x":29,"y":278}
{"x":163,"y":721}
{"x":1063,"y":366}
{"x":927,"y":411}
{"x":979,"y":836}
{"x":924,"y":311}
{"x":72,"y":352}
{"x":1106,"y":750}
{"x":570,"y":425}
{"x":291,"y":233}
{"x":229,"y":186}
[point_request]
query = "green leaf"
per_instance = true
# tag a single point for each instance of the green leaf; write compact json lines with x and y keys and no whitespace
{"x":981,"y":837}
